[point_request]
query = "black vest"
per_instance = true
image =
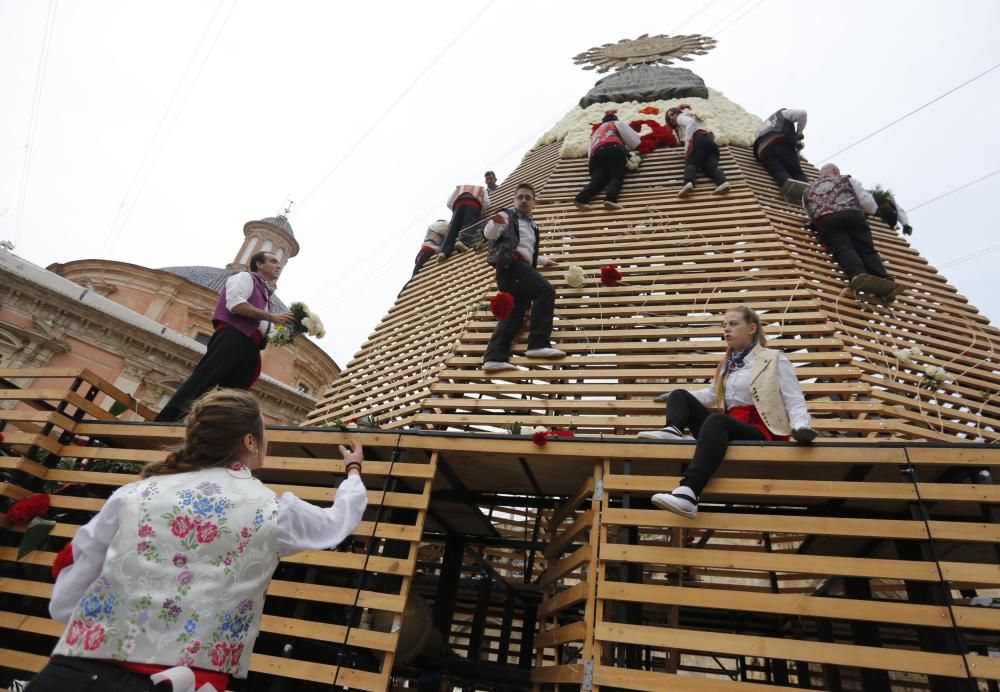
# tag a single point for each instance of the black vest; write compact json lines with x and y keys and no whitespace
{"x":776,"y":124}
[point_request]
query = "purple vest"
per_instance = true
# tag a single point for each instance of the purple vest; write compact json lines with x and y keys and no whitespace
{"x":248,"y":325}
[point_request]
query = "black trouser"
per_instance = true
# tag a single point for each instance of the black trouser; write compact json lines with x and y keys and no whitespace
{"x":462,"y":216}
{"x":714,"y":432}
{"x":230,"y":361}
{"x":529,"y":288}
{"x":607,"y":167}
{"x":704,"y":157}
{"x":782,"y":162}
{"x":847,"y":235}
{"x":75,"y":674}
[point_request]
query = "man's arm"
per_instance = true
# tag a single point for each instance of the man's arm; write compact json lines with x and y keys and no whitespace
{"x":868,"y":203}
{"x":629,"y":136}
{"x":799,"y":117}
{"x":248,"y":310}
{"x":496,"y":226}
{"x":239,"y":288}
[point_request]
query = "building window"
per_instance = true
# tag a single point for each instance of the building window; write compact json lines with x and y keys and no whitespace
{"x":303,"y":388}
{"x":202,"y":338}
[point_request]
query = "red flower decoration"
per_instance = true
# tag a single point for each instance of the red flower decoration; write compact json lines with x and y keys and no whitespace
{"x":501,"y":305}
{"x":650,"y":110}
{"x":540,"y":437}
{"x":181,"y":526}
{"x":207,"y":532}
{"x":560,"y":433}
{"x":610,"y":276}
{"x":27,"y":509}
{"x":64,"y":558}
{"x":659,"y":135}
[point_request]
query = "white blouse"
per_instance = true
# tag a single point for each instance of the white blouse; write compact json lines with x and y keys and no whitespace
{"x":737,"y":390}
{"x":301,"y":526}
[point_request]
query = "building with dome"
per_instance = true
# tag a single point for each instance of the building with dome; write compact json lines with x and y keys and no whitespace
{"x":144,"y":329}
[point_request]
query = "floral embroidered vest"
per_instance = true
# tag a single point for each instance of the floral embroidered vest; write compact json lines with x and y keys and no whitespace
{"x":830,"y":194}
{"x":605,"y":134}
{"x":184,"y":578}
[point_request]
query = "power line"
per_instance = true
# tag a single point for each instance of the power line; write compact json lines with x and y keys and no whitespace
{"x":971,"y":256}
{"x":694,"y":15}
{"x":159,"y":126}
{"x":957,"y":189}
{"x":385,"y":113}
{"x":727,"y":26}
{"x":29,"y":147}
{"x":173,"y":123}
{"x":915,"y":110}
{"x":726,"y":17}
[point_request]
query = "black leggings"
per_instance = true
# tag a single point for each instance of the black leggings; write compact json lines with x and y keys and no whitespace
{"x":714,"y":432}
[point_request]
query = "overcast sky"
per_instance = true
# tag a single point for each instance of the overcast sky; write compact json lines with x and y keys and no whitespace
{"x":158,"y":129}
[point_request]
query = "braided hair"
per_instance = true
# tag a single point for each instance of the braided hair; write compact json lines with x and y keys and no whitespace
{"x":215,"y":428}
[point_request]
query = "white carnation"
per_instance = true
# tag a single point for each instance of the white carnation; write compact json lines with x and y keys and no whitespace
{"x":539,"y":429}
{"x":575,"y":276}
{"x":730,"y":123}
{"x":915,"y":351}
{"x":904,"y":355}
{"x":308,"y":324}
{"x":634,"y":161}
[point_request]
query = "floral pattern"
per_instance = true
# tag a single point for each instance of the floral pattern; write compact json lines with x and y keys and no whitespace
{"x":179,"y":532}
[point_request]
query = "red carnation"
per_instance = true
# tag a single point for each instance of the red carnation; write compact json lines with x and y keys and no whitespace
{"x":610,"y":276}
{"x":540,"y":437}
{"x":658,"y":136}
{"x":64,"y":558}
{"x":501,"y":305}
{"x":27,"y":509}
{"x":560,"y":433}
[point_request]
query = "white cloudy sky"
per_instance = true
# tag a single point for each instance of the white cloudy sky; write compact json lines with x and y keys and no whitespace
{"x":159,"y":129}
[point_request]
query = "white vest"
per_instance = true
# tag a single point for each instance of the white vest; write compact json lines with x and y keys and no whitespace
{"x":184,"y":578}
{"x":766,"y":391}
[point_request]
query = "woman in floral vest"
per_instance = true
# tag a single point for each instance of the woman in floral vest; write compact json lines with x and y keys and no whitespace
{"x":167,"y":581}
{"x":756,"y":396}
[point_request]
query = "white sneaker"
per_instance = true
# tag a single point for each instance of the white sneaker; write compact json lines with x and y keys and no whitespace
{"x":440,"y":257}
{"x":667,"y":433}
{"x":686,"y":190}
{"x":461,"y":247}
{"x":681,"y":501}
{"x":583,"y":206}
{"x":544,"y":353}
{"x":722,"y":189}
{"x":496,"y":365}
{"x":612,"y":206}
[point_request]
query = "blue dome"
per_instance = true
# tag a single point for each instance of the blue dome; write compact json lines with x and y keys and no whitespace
{"x":213,"y":278}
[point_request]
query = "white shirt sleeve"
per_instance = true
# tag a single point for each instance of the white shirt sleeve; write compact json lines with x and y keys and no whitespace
{"x":239,"y":288}
{"x":630,"y":138}
{"x":304,"y":526}
{"x":706,"y":396}
{"x":901,"y":214}
{"x":868,"y":203}
{"x":799,"y":117}
{"x":791,"y":394}
{"x":492,"y":230}
{"x":90,"y":547}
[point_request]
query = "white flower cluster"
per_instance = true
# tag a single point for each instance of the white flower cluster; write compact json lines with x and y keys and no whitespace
{"x":730,"y":123}
{"x":634,"y":161}
{"x":907,"y":355}
{"x":936,"y":373}
{"x":313,"y":325}
{"x":575,"y":277}
{"x":537,"y":429}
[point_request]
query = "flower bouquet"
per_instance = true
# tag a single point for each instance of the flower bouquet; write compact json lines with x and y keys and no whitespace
{"x":306,"y":322}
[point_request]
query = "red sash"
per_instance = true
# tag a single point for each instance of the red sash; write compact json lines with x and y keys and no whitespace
{"x":750,"y":416}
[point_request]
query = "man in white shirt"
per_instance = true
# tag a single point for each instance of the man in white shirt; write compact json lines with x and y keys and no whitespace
{"x":700,"y":151}
{"x":777,"y":143}
{"x":513,"y":250}
{"x":242,"y":320}
{"x":836,"y":206}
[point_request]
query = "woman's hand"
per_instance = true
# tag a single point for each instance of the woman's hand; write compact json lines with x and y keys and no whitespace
{"x":353,"y":456}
